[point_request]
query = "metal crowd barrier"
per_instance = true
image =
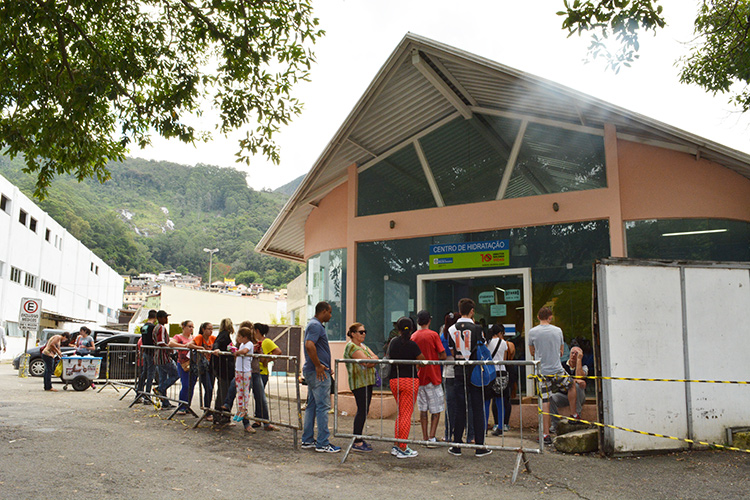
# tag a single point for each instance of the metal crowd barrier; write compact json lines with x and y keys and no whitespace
{"x":519,"y":445}
{"x":133,"y":368}
{"x":283,"y":401}
{"x":119,"y":367}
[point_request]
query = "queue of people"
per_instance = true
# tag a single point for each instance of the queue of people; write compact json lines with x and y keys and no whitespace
{"x":223,"y":377}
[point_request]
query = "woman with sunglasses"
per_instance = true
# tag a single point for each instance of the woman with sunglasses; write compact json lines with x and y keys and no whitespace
{"x":361,"y":379}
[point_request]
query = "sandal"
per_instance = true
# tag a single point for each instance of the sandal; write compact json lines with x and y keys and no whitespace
{"x":270,"y":427}
{"x":249,"y":429}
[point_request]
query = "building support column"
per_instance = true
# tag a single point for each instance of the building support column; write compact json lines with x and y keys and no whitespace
{"x":617,"y":243}
{"x":351,"y":249}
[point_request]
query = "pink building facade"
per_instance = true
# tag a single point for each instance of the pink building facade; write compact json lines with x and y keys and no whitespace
{"x":457,"y":176}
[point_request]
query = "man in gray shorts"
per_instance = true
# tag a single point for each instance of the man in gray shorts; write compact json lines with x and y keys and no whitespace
{"x":546,"y":344}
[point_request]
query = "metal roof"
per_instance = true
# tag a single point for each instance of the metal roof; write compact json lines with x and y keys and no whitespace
{"x":425,"y":82}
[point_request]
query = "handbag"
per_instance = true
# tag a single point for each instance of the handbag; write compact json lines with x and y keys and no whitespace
{"x":385,"y":368}
{"x":500,"y":383}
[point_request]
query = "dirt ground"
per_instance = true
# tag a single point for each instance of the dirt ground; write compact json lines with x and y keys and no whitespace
{"x":91,"y":445}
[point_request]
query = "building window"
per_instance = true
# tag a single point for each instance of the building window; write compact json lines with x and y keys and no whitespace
{"x":90,"y":304}
{"x":48,"y":288}
{"x":30,"y":280}
{"x":46,"y":234}
{"x":689,"y":239}
{"x":5,"y":204}
{"x":32,"y":224}
{"x":326,"y":281}
{"x":92,"y":267}
{"x":15,"y":274}
{"x":101,"y":309}
{"x":96,"y":270}
{"x":2,"y":268}
{"x":22,"y":217}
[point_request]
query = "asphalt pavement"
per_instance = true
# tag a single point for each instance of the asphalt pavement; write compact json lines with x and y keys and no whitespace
{"x":90,"y":445}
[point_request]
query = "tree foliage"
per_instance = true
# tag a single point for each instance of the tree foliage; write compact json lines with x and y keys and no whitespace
{"x":151,"y":216}
{"x":82,"y":80}
{"x":719,"y":56}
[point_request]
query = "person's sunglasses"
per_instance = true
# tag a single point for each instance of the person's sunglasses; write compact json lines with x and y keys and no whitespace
{"x":361,"y":331}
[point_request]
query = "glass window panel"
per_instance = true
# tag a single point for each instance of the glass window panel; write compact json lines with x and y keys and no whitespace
{"x":689,"y":239}
{"x":395,"y":184}
{"x":468,"y":157}
{"x":326,"y":281}
{"x":556,"y":160}
{"x":560,"y":258}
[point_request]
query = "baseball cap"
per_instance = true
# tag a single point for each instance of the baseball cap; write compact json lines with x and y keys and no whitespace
{"x":162,"y":314}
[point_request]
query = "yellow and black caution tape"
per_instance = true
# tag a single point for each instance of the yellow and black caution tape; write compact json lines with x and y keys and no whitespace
{"x":592,"y":377}
{"x":644,"y":433}
{"x":691,"y":441}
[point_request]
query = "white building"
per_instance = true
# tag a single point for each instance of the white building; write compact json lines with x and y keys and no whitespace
{"x":40,"y":259}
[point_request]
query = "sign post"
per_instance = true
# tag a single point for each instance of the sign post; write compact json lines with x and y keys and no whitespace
{"x":29,"y":317}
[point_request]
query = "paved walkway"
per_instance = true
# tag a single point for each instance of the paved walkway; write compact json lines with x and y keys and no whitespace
{"x":84,"y":444}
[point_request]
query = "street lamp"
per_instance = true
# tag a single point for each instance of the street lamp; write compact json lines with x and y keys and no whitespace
{"x":210,"y":263}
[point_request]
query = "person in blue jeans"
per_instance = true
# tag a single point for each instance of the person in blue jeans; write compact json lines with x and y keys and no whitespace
{"x":317,"y":373}
{"x":165,"y":365}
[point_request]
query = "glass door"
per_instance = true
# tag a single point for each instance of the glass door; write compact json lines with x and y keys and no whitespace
{"x":501,"y":296}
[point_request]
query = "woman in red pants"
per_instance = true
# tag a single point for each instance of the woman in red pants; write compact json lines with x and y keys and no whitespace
{"x":404,"y":383}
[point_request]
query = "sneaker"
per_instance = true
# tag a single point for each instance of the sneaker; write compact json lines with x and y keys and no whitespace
{"x":547,"y":439}
{"x":307,"y":446}
{"x":455,"y":451}
{"x":362,"y":447}
{"x":407,"y":453}
{"x":506,"y":427}
{"x":498,"y":431}
{"x":431,"y":443}
{"x":483,"y":453}
{"x":395,"y":451}
{"x":328,"y":449}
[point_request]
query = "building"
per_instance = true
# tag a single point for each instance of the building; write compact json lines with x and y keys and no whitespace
{"x":202,"y":305}
{"x":456,"y":176}
{"x":40,"y":259}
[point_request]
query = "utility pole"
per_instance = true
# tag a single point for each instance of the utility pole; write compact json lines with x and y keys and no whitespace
{"x":211,"y":253}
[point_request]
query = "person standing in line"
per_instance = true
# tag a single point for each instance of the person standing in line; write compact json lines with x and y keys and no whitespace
{"x":361,"y":380}
{"x":498,"y":347}
{"x":200,"y":365}
{"x":404,"y":384}
{"x":223,"y":368}
{"x":449,"y":375}
{"x":243,"y":375}
{"x":148,"y":368}
{"x":165,"y":365}
{"x":263,"y":345}
{"x":317,"y":373}
{"x":465,"y":337}
{"x":546,"y":345}
{"x":51,"y":350}
{"x":430,"y":397}
{"x":510,"y":355}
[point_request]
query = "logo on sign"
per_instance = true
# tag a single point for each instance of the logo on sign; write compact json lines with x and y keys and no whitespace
{"x":486,"y":298}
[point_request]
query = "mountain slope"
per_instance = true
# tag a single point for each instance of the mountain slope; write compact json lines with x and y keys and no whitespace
{"x":158,"y":215}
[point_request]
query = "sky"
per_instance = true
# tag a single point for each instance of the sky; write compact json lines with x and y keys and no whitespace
{"x":526,"y":35}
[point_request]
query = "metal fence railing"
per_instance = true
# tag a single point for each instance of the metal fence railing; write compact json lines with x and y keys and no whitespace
{"x":519,"y":443}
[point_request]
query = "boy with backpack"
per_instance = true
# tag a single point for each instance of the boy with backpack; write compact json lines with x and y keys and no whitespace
{"x":464,"y":339}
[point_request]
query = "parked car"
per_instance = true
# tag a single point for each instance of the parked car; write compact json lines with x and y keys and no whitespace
{"x":36,"y":364}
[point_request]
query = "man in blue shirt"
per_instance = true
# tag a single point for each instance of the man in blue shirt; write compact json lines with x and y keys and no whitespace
{"x":317,"y":373}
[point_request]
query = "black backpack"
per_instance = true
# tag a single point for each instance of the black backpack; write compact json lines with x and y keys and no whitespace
{"x":147,"y":334}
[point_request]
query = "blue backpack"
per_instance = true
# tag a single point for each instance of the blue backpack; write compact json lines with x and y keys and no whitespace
{"x":483,"y":375}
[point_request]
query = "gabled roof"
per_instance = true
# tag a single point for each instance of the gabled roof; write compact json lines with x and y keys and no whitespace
{"x":423,"y":85}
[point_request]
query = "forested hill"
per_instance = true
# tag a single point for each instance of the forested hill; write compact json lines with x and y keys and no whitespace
{"x":152,"y":216}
